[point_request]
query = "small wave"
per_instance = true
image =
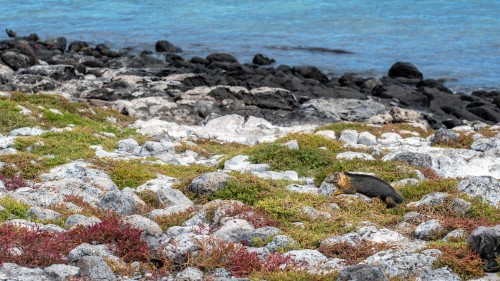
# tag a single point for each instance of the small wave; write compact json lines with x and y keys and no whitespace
{"x":309,"y":49}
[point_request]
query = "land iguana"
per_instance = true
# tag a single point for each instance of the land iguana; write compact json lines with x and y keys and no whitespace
{"x":349,"y":183}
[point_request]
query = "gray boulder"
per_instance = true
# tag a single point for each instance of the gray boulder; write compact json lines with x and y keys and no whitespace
{"x":456,"y":235}
{"x":361,"y":272}
{"x":440,"y":274}
{"x":127,"y":145}
{"x":81,"y":171}
{"x":189,"y":274}
{"x":281,"y":242}
{"x":413,"y":158}
{"x":209,"y":182}
{"x":485,"y":144}
{"x":86,"y":249}
{"x":234,"y":230}
{"x":444,"y":136}
{"x":461,"y":207}
{"x":12,"y":271}
{"x":123,"y":203}
{"x":488,"y":188}
{"x":61,"y":272}
{"x":312,"y":259}
{"x":82,"y":220}
{"x":293,"y":144}
{"x":240,"y":163}
{"x":169,"y":197}
{"x":486,"y":242}
{"x":429,"y":230}
{"x":367,"y":138}
{"x":43,"y":214}
{"x":262,"y":234}
{"x":95,"y":268}
{"x":349,"y":136}
{"x":148,"y":226}
{"x":181,"y":246}
{"x":430,"y":200}
{"x":402,"y":264}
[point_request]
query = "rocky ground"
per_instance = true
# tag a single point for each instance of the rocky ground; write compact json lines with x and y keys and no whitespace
{"x":154,"y":170}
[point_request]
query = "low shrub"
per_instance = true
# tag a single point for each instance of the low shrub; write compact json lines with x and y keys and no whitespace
{"x":13,"y":183}
{"x":37,"y":248}
{"x":258,"y":218}
{"x":173,"y":219}
{"x":353,"y":254}
{"x":124,"y":240}
{"x":460,"y":258}
{"x":13,"y":209}
{"x":32,"y":247}
{"x":247,"y":188}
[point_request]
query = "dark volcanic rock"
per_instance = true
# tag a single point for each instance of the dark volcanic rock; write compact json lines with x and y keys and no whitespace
{"x":260,"y":59}
{"x":486,"y":112}
{"x":406,"y":70}
{"x":25,"y":48}
{"x":166,"y":46}
{"x":486,"y":241}
{"x":311,"y":72}
{"x":146,"y":61}
{"x":199,"y":60}
{"x":413,"y":158}
{"x":221,"y":57}
{"x":431,"y":83}
{"x":405,"y":95}
{"x":15,"y":60}
{"x":104,"y":50}
{"x":93,"y":63}
{"x":489,"y":96}
{"x":33,"y":37}
{"x":56,"y":72}
{"x":58,"y":43}
{"x":77,"y":46}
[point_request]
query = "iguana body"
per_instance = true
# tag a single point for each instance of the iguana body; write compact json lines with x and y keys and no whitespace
{"x":349,"y":183}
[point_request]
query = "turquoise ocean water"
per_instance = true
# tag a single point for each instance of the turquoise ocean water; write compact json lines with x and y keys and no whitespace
{"x":458,"y":40}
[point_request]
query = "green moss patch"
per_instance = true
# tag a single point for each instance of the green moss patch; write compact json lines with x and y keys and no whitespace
{"x":13,"y":209}
{"x":133,"y":173}
{"x":248,"y":188}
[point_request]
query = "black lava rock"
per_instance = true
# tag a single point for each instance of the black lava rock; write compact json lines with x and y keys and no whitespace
{"x":15,"y":60}
{"x":486,"y":242}
{"x":166,"y":46}
{"x":221,"y":57}
{"x":77,"y":46}
{"x":58,"y":43}
{"x":260,"y":59}
{"x":311,"y":72}
{"x":406,"y":70}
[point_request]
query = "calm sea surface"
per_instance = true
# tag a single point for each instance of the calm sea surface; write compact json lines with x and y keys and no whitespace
{"x":458,"y":40}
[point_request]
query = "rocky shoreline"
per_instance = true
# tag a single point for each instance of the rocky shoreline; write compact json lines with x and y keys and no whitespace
{"x":209,"y":169}
{"x":192,"y":91}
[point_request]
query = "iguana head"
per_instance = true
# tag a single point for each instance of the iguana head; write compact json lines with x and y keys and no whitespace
{"x":339,"y":179}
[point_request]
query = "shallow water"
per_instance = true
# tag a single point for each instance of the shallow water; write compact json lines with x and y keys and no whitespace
{"x":455,"y":40}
